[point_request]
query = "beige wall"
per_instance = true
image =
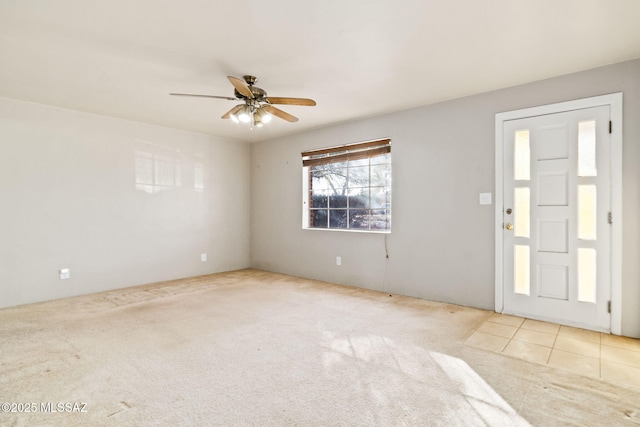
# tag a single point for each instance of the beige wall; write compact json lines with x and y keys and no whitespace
{"x":442,"y":241}
{"x":69,"y":198}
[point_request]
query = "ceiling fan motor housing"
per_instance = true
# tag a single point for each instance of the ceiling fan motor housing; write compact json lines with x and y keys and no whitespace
{"x":259,"y":94}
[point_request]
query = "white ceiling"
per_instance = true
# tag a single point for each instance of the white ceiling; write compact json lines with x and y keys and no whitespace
{"x":356,"y":58}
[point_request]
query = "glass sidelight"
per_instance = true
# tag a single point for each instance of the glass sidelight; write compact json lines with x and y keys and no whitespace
{"x":522,"y":219}
{"x":522,"y":164}
{"x":587,"y":148}
{"x":586,"y":275}
{"x":587,"y":211}
{"x":587,"y":208}
{"x":522,"y":269}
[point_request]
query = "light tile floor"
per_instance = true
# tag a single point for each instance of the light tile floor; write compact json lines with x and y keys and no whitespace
{"x":608,"y":357}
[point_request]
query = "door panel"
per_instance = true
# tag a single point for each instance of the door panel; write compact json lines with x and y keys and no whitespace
{"x":556,"y":238}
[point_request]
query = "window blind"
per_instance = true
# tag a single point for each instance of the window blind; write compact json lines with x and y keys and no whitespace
{"x":361,"y":150}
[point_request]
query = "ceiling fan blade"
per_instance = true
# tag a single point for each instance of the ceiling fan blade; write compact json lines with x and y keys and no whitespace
{"x":291,"y":101}
{"x":232,"y":111}
{"x":279,"y":113}
{"x":203,"y":96}
{"x":240,"y":86}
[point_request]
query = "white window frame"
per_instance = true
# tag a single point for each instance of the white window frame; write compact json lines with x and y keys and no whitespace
{"x":361,"y":150}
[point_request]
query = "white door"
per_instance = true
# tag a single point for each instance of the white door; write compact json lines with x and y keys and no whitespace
{"x":556,"y":213}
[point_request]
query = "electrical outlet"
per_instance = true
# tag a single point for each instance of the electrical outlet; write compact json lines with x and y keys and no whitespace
{"x":203,"y":257}
{"x":64,"y":273}
{"x":338,"y":260}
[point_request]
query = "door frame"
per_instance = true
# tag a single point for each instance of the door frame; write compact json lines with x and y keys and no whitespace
{"x":614,"y":101}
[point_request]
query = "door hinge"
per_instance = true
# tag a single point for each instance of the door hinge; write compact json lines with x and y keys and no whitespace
{"x":610,"y":218}
{"x":609,"y":306}
{"x":610,"y":126}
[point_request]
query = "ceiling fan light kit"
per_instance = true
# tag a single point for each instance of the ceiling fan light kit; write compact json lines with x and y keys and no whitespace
{"x":257,"y":108}
{"x":261,"y":117}
{"x":243,"y":115}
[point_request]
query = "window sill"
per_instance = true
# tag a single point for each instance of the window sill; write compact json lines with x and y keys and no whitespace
{"x":348,"y":230}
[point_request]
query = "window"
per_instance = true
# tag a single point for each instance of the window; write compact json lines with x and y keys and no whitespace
{"x":348,"y":187}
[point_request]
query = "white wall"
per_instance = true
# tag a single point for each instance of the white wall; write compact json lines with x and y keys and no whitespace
{"x":68,"y":198}
{"x":442,"y":241}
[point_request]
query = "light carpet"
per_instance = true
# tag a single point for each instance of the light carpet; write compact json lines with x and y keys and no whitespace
{"x":251,"y":348}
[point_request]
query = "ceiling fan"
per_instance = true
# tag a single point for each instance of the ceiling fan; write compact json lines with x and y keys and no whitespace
{"x":256,"y":106}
